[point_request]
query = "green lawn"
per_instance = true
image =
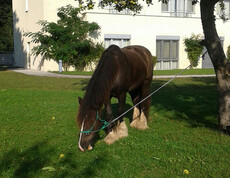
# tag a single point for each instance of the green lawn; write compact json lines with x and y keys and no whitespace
{"x":156,"y":72}
{"x":186,"y":72}
{"x":37,"y":125}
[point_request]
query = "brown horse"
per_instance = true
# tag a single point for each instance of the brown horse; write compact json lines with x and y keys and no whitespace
{"x":119,"y":71}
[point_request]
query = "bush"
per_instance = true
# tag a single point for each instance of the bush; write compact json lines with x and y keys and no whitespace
{"x":68,"y":39}
{"x":154,"y":60}
{"x":193,"y":49}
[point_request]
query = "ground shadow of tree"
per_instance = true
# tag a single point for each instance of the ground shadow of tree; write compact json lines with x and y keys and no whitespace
{"x":28,"y":162}
{"x":3,"y":68}
{"x":20,"y":54}
{"x":195,"y":102}
{"x":69,"y":167}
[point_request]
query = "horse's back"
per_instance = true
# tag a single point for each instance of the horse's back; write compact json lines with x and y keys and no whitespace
{"x":140,"y":57}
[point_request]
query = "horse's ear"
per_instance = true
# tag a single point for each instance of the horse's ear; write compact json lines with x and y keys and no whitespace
{"x":79,"y":100}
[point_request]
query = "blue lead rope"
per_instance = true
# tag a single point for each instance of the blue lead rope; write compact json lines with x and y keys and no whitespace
{"x":105,"y":124}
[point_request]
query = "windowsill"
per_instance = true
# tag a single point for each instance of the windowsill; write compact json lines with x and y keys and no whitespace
{"x":166,"y":60}
{"x":188,"y":14}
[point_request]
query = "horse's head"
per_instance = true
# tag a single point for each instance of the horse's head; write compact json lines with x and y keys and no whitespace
{"x":87,"y":120}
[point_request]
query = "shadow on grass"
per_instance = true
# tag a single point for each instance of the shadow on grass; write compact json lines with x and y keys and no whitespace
{"x":93,"y":167}
{"x":194,"y":101}
{"x":29,"y":163}
{"x":2,"y":68}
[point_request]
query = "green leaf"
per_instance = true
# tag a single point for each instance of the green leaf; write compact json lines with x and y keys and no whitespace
{"x":50,"y":169}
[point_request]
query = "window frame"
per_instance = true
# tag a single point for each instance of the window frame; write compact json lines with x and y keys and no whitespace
{"x":122,"y":37}
{"x":171,"y":39}
{"x":112,"y":10}
{"x":170,"y":61}
{"x":219,"y":12}
{"x":173,"y":6}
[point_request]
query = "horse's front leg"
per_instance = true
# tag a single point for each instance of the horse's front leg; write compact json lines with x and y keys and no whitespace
{"x":122,"y":129}
{"x":119,"y":130}
{"x":111,"y":136}
{"x":109,"y":116}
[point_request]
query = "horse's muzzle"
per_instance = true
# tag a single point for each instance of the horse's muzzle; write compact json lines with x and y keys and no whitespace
{"x":82,"y":149}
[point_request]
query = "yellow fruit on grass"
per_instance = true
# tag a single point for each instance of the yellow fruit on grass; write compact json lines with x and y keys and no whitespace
{"x":186,"y":171}
{"x":61,"y":155}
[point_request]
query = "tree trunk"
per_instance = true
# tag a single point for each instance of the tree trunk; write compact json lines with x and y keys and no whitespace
{"x":222,"y":67}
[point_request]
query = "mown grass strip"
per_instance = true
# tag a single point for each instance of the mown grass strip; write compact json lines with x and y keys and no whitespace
{"x":156,"y":72}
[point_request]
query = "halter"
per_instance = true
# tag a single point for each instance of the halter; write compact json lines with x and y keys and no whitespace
{"x":104,"y":122}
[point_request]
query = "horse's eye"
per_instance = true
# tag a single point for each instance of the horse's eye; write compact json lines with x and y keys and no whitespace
{"x":87,"y":134}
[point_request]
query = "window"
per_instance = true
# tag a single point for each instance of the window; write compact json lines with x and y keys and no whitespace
{"x":167,"y":49}
{"x":181,"y":8}
{"x":119,"y":40}
{"x":125,"y":11}
{"x":226,"y":12}
{"x":207,"y":62}
{"x":113,"y":11}
{"x":26,"y":5}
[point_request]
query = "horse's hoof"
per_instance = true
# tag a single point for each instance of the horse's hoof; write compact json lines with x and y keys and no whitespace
{"x":136,"y":113}
{"x":122,"y":130}
{"x":140,"y":123}
{"x":134,"y":123}
{"x":111,"y":137}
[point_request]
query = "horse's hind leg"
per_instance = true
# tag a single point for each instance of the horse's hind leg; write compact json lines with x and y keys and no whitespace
{"x":140,"y":121}
{"x":140,"y":113}
{"x":145,"y":105}
{"x":136,"y":111}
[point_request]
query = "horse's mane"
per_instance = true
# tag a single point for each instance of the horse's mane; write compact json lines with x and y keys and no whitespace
{"x":98,"y":89}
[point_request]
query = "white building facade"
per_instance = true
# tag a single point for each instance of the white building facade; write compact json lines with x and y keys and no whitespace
{"x":161,"y":28}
